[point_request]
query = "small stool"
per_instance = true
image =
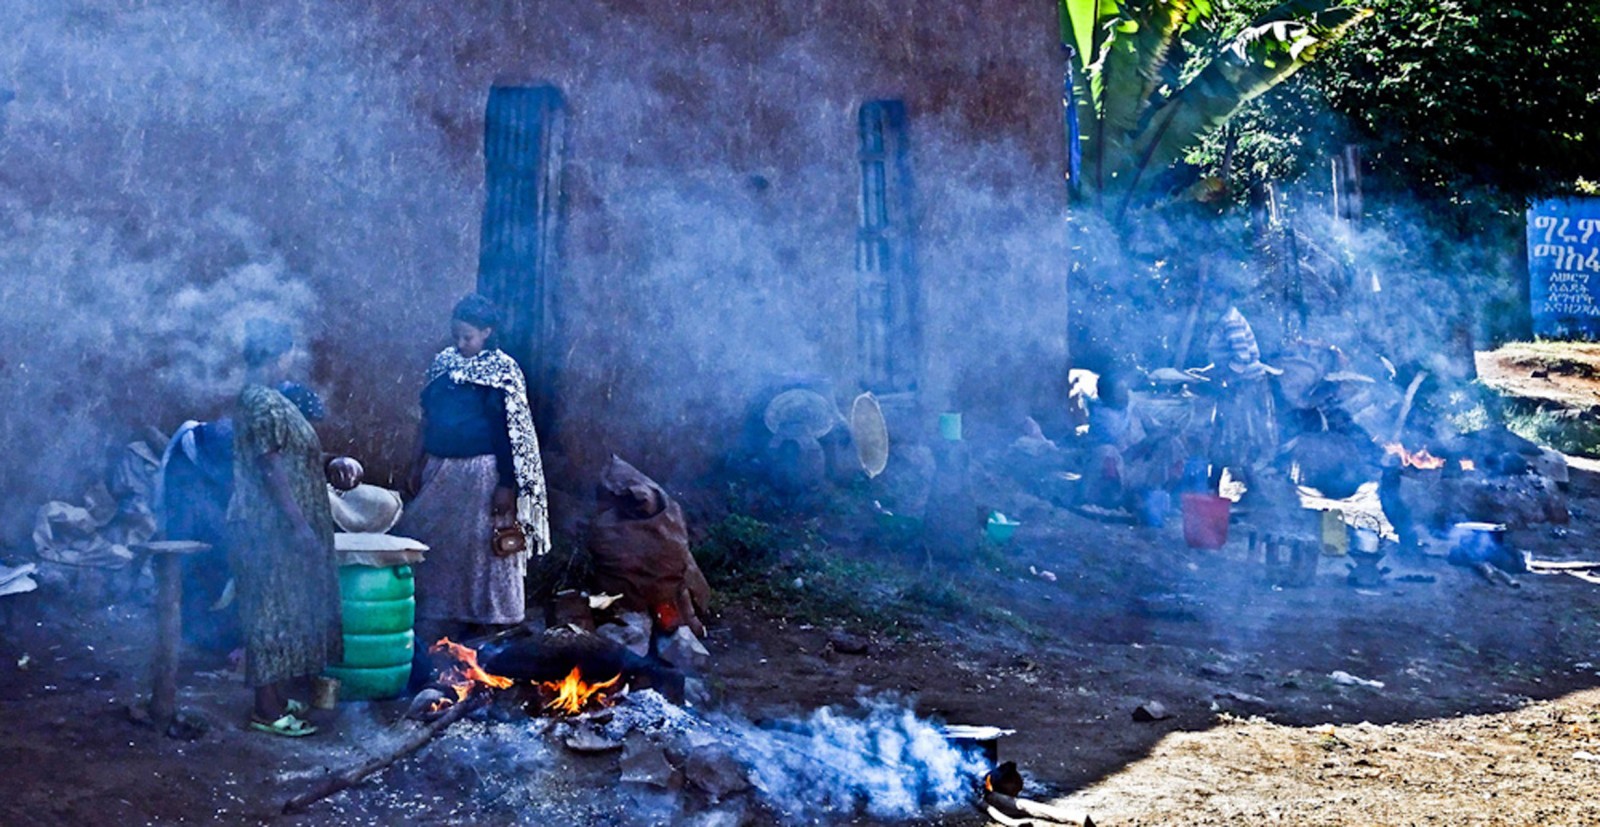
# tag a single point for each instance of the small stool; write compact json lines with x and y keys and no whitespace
{"x":169,"y":623}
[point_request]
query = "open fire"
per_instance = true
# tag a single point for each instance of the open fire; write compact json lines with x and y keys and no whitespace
{"x":1421,"y":459}
{"x":572,"y":694}
{"x":463,"y":674}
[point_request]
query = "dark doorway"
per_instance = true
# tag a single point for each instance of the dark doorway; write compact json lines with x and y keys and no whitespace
{"x":522,"y":148}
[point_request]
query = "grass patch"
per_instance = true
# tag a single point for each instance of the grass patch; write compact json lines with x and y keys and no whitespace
{"x":1566,"y":432}
{"x":791,"y":571}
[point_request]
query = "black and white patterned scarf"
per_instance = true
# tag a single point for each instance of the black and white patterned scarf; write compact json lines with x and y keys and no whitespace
{"x":492,"y":368}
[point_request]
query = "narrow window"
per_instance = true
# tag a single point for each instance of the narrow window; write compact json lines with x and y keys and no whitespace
{"x":522,"y":135}
{"x":887,"y":327}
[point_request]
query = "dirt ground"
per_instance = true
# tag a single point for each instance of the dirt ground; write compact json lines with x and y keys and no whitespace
{"x":1563,"y":375}
{"x":1488,"y":710}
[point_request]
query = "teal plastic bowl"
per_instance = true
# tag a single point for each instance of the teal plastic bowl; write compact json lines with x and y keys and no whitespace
{"x":999,"y":532}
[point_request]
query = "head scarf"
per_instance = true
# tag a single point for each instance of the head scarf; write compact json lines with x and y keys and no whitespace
{"x":492,"y":368}
{"x":265,"y":339}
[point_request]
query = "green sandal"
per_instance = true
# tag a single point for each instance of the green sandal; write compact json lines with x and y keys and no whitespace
{"x":288,"y":726}
{"x":296,"y":708}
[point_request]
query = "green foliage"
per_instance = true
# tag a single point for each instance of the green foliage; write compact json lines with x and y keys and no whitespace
{"x":1146,"y":95}
{"x":1564,"y":431}
{"x":1262,"y":56}
{"x":1473,"y":106}
{"x":1463,"y":94}
{"x":736,"y":547}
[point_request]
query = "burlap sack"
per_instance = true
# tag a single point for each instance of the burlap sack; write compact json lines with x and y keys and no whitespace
{"x":639,"y":545}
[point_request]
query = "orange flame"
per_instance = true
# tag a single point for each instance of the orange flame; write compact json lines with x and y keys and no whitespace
{"x":465,"y":673}
{"x":572,"y":694}
{"x":1420,"y":459}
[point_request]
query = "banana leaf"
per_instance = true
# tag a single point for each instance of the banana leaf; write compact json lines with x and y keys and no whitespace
{"x":1083,"y":27}
{"x":1129,"y":67}
{"x":1262,"y":56}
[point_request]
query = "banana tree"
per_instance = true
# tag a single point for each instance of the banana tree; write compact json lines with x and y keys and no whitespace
{"x":1129,"y":117}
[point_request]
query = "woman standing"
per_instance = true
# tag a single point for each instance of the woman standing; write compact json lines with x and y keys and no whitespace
{"x":281,"y":533}
{"x":477,"y":472}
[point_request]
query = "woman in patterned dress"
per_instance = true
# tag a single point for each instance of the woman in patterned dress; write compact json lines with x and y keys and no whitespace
{"x":281,"y":531}
{"x":477,"y":469}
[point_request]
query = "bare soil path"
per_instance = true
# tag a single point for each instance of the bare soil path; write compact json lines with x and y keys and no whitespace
{"x":1488,"y":710}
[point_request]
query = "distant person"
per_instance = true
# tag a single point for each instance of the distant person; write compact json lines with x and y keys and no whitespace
{"x":280,"y":538}
{"x":1126,"y":464}
{"x":477,"y":473}
{"x":196,"y":484}
{"x":1246,"y":435}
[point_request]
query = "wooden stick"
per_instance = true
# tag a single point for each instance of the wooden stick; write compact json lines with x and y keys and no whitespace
{"x":169,"y":623}
{"x":169,"y":636}
{"x":1405,"y":407}
{"x":416,"y":736}
{"x":1022,"y":808}
{"x":1488,"y":572}
{"x":520,"y":630}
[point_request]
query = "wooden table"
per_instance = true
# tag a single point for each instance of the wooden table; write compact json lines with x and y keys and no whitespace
{"x":167,"y":555}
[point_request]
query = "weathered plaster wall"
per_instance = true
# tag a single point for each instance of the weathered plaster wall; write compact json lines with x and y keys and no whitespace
{"x":169,"y":168}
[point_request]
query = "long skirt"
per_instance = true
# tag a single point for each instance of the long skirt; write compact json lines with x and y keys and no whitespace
{"x":288,"y":601}
{"x":462,"y":579}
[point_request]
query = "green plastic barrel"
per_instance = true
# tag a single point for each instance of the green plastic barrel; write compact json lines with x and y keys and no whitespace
{"x":378,"y":617}
{"x":370,"y":684}
{"x":379,"y":609}
{"x":376,"y":583}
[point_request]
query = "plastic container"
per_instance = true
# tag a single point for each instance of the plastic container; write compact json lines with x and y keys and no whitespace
{"x":1154,"y":506}
{"x":1335,"y":535}
{"x":324,"y":692}
{"x":377,"y":651}
{"x":375,"y":684}
{"x":999,"y":529}
{"x":376,"y":583}
{"x":950,"y":426}
{"x":379,"y":609}
{"x":1205,"y":520}
{"x":378,"y":617}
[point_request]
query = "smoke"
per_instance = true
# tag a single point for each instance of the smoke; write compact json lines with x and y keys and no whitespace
{"x":879,"y":759}
{"x":874,"y":759}
{"x":164,"y":177}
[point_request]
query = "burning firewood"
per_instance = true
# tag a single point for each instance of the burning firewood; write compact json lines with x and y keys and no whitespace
{"x":573,"y":694}
{"x":551,"y":656}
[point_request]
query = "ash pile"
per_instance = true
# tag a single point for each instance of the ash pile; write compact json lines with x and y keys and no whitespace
{"x":592,"y":747}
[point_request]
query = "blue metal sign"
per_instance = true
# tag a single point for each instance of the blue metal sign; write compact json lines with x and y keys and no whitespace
{"x":1564,"y":267}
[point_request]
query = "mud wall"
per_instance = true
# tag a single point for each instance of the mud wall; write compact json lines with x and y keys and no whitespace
{"x":172,"y":167}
